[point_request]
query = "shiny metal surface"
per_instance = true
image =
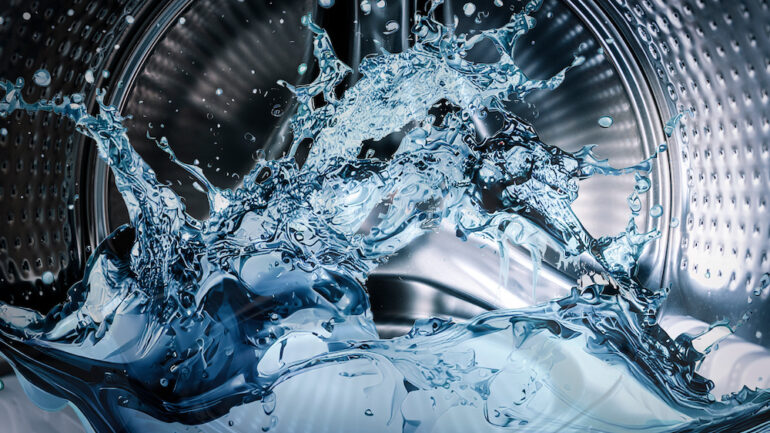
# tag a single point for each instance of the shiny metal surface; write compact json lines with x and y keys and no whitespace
{"x":713,"y":59}
{"x":647,"y":60}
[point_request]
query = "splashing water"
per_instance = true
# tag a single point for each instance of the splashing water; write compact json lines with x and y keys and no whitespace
{"x":257,"y":318}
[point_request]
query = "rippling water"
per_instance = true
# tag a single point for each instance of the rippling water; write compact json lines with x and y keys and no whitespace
{"x":257,"y":317}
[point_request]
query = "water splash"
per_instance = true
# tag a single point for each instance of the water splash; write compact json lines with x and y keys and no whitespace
{"x":182,"y":321}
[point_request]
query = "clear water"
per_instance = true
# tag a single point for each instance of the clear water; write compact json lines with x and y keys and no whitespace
{"x":257,"y":319}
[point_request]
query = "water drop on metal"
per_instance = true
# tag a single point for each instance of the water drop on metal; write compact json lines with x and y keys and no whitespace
{"x":41,"y":77}
{"x":605,"y":121}
{"x":469,"y":8}
{"x":47,"y":278}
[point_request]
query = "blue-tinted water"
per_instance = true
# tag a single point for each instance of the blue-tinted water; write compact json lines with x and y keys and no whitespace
{"x":257,"y":319}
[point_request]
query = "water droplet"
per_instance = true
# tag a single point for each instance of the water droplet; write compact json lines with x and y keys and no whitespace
{"x":499,"y":3}
{"x":326,"y":3}
{"x":469,"y":8}
{"x":368,"y":412}
{"x":302,"y":68}
{"x":277,"y":111}
{"x":70,"y":12}
{"x":268,"y":403}
{"x":250,"y":137}
{"x":656,"y":211}
{"x":605,"y":121}
{"x":366,"y":7}
{"x":89,"y":76}
{"x":549,"y":14}
{"x":106,"y":74}
{"x":47,"y":278}
{"x":391,"y":27}
{"x":163,"y":382}
{"x":218,"y":91}
{"x":3,"y":132}
{"x":182,"y":20}
{"x":129,"y":19}
{"x":2,"y":21}
{"x":26,"y":16}
{"x":674,"y":222}
{"x":381,"y":4}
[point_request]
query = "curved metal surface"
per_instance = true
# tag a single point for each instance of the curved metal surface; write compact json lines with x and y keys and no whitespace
{"x":647,"y":60}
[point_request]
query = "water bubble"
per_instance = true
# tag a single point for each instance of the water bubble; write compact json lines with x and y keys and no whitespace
{"x":326,"y":3}
{"x":41,"y":77}
{"x":277,"y":111}
{"x":106,"y":74}
{"x":391,"y":27}
{"x":47,"y":278}
{"x":26,"y":16}
{"x":70,"y":12}
{"x":163,"y":382}
{"x":656,"y":211}
{"x":218,"y":91}
{"x":469,"y":8}
{"x":368,"y":412}
{"x":549,"y":14}
{"x":129,"y":19}
{"x":182,"y":20}
{"x":89,"y":76}
{"x":250,"y":137}
{"x":605,"y":121}
{"x":366,"y":7}
{"x":499,"y":3}
{"x":3,"y":132}
{"x":381,"y":4}
{"x":302,"y":68}
{"x":2,"y":21}
{"x":674,"y":222}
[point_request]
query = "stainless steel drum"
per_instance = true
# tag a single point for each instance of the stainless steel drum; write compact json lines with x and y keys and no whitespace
{"x":203,"y":73}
